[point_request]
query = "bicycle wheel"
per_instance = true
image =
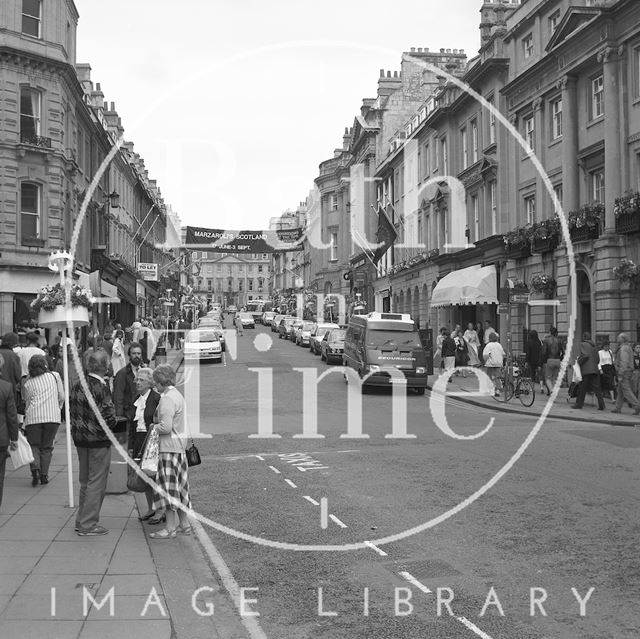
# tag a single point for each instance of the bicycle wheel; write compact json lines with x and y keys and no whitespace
{"x":526,"y":392}
{"x":504,"y":388}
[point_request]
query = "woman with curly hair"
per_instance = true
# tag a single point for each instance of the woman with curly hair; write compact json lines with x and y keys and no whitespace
{"x":172,"y":478}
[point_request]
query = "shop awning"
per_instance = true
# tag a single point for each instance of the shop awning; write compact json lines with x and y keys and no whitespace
{"x":472,"y":285}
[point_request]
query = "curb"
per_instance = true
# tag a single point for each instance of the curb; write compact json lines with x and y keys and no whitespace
{"x":572,"y":418}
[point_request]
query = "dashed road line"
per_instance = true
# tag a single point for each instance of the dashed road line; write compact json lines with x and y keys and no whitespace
{"x":335,"y":520}
{"x":275,"y":470}
{"x":465,"y":622}
{"x":381,"y":552}
{"x":311,"y":500}
{"x":291,"y":483}
{"x":412,"y":580}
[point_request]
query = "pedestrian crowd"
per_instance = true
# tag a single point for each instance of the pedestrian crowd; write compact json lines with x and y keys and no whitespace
{"x":130,"y":397}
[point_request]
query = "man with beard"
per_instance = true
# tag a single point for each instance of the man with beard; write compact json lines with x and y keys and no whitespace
{"x":124,"y":386}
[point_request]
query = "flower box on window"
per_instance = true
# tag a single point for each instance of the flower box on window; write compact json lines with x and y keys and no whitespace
{"x":628,"y":222}
{"x":584,"y":233}
{"x":518,"y":250}
{"x":585,"y":224}
{"x":544,"y":245}
{"x":33,"y":241}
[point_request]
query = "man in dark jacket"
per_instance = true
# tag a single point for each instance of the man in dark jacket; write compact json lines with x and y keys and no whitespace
{"x":448,"y":353}
{"x":12,"y":370}
{"x":8,"y":423}
{"x":92,"y":443}
{"x":588,"y":361}
{"x":124,"y":385}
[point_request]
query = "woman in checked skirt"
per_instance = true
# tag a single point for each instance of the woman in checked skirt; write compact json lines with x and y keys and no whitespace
{"x":172,"y":477}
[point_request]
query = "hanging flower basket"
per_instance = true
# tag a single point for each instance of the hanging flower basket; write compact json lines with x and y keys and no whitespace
{"x":79,"y":316}
{"x":543,"y":286}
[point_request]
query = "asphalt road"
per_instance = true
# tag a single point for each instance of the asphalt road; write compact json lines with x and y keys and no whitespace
{"x":564,"y":517}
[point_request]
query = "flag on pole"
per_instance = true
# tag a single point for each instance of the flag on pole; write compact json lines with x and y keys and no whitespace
{"x":386,"y":234}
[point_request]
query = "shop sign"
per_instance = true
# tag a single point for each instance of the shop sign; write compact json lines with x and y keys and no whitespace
{"x":148,"y":271}
{"x":503,"y":309}
{"x":518,"y":298}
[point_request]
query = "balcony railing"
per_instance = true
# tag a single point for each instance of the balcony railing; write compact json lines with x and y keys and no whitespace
{"x":35,"y":140}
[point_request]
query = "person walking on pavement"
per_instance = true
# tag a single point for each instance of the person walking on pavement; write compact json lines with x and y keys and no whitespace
{"x":493,"y":355}
{"x":172,"y":477}
{"x":43,"y":397}
{"x":118,"y":359}
{"x":552,"y":354}
{"x":533,"y":356}
{"x":624,"y":369}
{"x":8,"y":423}
{"x":145,"y":407}
{"x":607,"y":370}
{"x":124,"y":386}
{"x":92,"y":443}
{"x":449,"y":353}
{"x":239,"y":327}
{"x":488,"y":332}
{"x":588,"y":362}
{"x":635,"y":376}
{"x":12,"y":369}
{"x":473,"y":345}
{"x":28,"y":351}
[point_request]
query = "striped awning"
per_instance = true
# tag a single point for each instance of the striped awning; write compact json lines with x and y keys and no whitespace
{"x":472,"y":285}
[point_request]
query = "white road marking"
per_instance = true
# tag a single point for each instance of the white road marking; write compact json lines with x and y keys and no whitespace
{"x":311,"y":500}
{"x":224,"y":359}
{"x":291,"y":483}
{"x":250,"y":623}
{"x":465,"y":622}
{"x":337,"y":521}
{"x":259,"y":457}
{"x":249,"y":456}
{"x":411,"y":579}
{"x":275,"y":470}
{"x":324,"y":510}
{"x":381,"y":552}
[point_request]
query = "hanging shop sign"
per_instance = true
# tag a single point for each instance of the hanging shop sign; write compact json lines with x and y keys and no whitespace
{"x":148,"y":271}
{"x":223,"y":241}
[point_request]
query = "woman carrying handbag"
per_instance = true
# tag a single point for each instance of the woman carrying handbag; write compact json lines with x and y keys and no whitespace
{"x":172,"y":477}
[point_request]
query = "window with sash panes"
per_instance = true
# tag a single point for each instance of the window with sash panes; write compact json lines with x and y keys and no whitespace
{"x":597,"y":96}
{"x":530,"y":131}
{"x":474,"y":141}
{"x":333,"y":247}
{"x":492,"y":122}
{"x":597,"y":186}
{"x":493,"y":196}
{"x":530,"y":208}
{"x":465,"y":149}
{"x":527,"y":46}
{"x":30,"y":222}
{"x":556,"y":119}
{"x":30,"y":110}
{"x":31,"y":18}
{"x":475,"y":211}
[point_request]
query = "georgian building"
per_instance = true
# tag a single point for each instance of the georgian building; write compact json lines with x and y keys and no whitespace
{"x":55,"y":132}
{"x":230,"y":279}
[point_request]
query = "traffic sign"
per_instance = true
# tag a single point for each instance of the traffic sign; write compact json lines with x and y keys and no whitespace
{"x":503,"y":309}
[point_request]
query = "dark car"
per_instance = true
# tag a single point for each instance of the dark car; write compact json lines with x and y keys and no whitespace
{"x":284,"y":326}
{"x":332,"y":345}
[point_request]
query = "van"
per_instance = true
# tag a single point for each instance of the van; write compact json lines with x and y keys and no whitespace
{"x":385,"y":340}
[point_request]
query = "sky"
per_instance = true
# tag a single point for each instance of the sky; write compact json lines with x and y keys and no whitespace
{"x":233,"y":105}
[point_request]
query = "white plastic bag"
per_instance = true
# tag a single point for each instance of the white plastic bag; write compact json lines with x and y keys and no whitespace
{"x":577,"y":373}
{"x":151,"y":454}
{"x":22,"y":455}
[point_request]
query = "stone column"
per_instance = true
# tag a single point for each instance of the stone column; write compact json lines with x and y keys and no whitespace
{"x":610,"y":58}
{"x":570,"y":170}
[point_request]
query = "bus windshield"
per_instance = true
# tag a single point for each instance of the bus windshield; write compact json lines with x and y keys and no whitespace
{"x":391,"y":340}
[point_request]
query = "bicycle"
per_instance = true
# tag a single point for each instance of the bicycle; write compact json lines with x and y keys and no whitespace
{"x":523,"y":388}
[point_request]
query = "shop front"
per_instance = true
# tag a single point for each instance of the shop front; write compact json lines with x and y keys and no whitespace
{"x":127,"y":293}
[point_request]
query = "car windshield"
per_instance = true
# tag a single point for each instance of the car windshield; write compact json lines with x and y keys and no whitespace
{"x":246,"y":316}
{"x":378,"y":339}
{"x":201,"y":336}
{"x":307,"y":326}
{"x":288,"y":322}
{"x":337,"y":335}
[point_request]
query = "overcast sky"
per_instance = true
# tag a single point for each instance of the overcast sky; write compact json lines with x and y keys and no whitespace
{"x":233,"y":106}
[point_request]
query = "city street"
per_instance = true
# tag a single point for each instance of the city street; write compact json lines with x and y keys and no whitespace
{"x":564,"y":517}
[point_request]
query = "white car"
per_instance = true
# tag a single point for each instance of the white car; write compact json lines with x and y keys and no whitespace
{"x":247,"y":320}
{"x":317,"y":335}
{"x":202,"y":344}
{"x":267,"y":317}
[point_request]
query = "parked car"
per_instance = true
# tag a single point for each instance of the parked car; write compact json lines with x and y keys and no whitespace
{"x":317,"y":334}
{"x":332,"y":345}
{"x":247,"y":320}
{"x":284,"y":326}
{"x":267,"y":317}
{"x":294,"y":326}
{"x":275,"y":322}
{"x":202,"y":345}
{"x":303,"y":333}
{"x":232,"y":309}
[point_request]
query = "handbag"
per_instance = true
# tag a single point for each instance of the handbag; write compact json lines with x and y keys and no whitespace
{"x":135,"y":483}
{"x":577,"y":373}
{"x":23,"y":454}
{"x":193,"y":455}
{"x":151,"y":454}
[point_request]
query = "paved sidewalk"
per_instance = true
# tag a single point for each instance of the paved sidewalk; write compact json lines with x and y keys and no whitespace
{"x":39,"y":551}
{"x":561,"y":409}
